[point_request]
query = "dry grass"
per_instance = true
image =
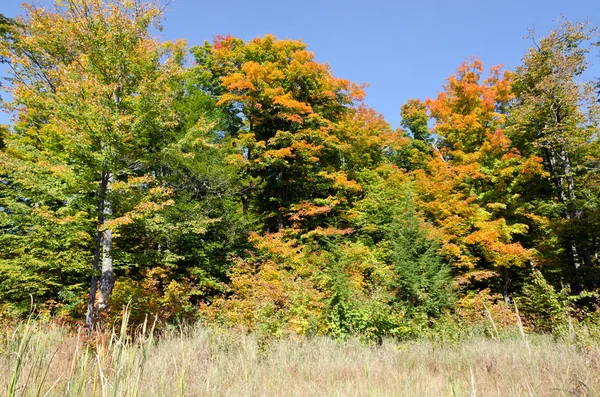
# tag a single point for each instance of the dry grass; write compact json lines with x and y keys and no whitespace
{"x":44,"y":359}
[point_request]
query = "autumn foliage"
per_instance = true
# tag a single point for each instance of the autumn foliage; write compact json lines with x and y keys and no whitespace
{"x":241,"y":183}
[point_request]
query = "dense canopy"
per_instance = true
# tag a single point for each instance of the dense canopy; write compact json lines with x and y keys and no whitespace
{"x":241,"y":183}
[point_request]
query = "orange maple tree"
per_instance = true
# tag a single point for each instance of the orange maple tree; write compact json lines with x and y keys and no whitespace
{"x":470,"y":186}
{"x":291,"y":105}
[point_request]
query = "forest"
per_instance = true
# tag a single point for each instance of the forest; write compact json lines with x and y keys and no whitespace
{"x":241,"y":184}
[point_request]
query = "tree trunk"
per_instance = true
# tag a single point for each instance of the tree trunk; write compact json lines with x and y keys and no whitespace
{"x":587,"y":257}
{"x":507,"y":284}
{"x":560,"y":169}
{"x":89,"y":318}
{"x":557,"y":177}
{"x":571,"y":211}
{"x":107,"y":279}
{"x":282,"y":201}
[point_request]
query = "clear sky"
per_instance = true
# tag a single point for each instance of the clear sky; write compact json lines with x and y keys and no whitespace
{"x":402,"y":49}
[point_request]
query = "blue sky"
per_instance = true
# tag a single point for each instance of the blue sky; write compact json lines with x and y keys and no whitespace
{"x":401,"y":49}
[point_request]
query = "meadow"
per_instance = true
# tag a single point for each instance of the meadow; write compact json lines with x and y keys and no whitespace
{"x":39,"y":358}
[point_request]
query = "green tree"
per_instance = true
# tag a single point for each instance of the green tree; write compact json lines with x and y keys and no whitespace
{"x":92,"y":90}
{"x":45,"y":233}
{"x":555,"y":116}
{"x":3,"y":132}
{"x":420,"y":280}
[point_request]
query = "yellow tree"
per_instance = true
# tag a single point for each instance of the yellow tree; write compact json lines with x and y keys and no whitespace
{"x":91,"y":88}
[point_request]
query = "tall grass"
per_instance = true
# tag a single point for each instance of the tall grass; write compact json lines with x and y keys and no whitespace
{"x":44,"y":359}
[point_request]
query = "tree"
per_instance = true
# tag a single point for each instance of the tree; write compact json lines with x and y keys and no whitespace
{"x":555,"y":117}
{"x":3,"y":133}
{"x":44,"y":233}
{"x":6,"y":27}
{"x":290,"y":105}
{"x":305,"y":142}
{"x":469,"y":188}
{"x":387,"y":220}
{"x":92,"y":91}
{"x":415,"y":120}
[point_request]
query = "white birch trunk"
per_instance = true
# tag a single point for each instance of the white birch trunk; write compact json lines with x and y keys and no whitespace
{"x":107,"y":278}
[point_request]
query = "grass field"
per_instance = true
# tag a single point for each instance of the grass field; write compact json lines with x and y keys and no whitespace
{"x":44,"y":359}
